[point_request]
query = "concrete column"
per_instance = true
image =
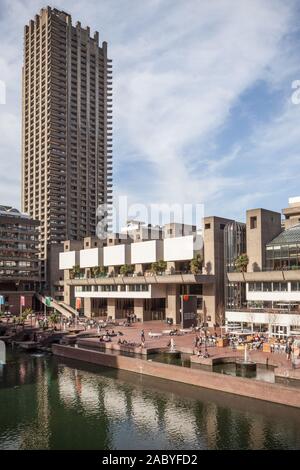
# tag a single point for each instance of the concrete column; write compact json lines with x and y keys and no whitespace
{"x":173,"y":303}
{"x":87,"y":307}
{"x":139,"y":309}
{"x":69,"y":291}
{"x":111,"y":308}
{"x":209,"y":303}
{"x":110,"y":269}
{"x":171,"y":266}
{"x":138,"y":268}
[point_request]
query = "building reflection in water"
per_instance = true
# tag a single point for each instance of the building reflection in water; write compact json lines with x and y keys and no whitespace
{"x":56,"y":405}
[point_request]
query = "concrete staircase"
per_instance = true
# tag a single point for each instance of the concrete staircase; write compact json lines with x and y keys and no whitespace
{"x":63,"y":308}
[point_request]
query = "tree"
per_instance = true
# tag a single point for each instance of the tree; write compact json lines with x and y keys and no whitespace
{"x":196,"y":264}
{"x":75,"y":271}
{"x":28,"y":312}
{"x":54,"y":318}
{"x":158,"y":267}
{"x":98,"y":271}
{"x":220,"y":314}
{"x":126,"y":269}
{"x":241,"y":263}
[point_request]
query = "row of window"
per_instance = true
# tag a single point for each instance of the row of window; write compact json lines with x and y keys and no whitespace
{"x":114,"y":288}
{"x":273,"y":286}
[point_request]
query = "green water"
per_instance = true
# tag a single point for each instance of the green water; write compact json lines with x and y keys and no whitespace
{"x":46,"y":403}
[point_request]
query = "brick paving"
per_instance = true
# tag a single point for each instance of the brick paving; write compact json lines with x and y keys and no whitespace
{"x":185,"y":343}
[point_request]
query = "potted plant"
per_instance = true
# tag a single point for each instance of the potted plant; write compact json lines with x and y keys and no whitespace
{"x":98,"y":271}
{"x":196,"y":264}
{"x":126,"y":269}
{"x":75,"y":272}
{"x":158,"y":267}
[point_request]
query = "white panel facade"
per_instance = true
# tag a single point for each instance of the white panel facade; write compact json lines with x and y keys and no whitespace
{"x":179,"y":249}
{"x":116,"y":255}
{"x":68,"y":259}
{"x":274,"y":296}
{"x":264,"y":318}
{"x":91,"y":257}
{"x":146,"y":252}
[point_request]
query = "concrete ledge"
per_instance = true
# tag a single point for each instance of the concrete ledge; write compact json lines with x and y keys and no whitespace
{"x":238,"y":386}
{"x":212,"y":361}
{"x":287,"y":377}
{"x":116,"y":347}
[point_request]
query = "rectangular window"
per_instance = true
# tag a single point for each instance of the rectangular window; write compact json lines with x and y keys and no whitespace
{"x":267,"y":286}
{"x":253,"y":222}
{"x":207,"y":226}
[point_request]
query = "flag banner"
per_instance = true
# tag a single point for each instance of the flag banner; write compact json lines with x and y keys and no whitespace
{"x":22,"y":301}
{"x":78,"y":303}
{"x":48,"y":301}
{"x":1,"y":300}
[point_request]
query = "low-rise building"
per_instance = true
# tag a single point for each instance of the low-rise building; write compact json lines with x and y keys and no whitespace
{"x":272,"y":278}
{"x":149,"y":278}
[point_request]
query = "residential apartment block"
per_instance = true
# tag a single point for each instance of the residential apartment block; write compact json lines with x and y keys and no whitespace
{"x":19,"y":263}
{"x":67,"y":128}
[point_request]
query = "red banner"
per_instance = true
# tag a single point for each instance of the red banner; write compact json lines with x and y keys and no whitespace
{"x":22,"y":301}
{"x":78,"y":303}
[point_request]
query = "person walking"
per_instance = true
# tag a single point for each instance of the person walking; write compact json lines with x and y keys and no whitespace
{"x":288,"y":350}
{"x":143,"y":339}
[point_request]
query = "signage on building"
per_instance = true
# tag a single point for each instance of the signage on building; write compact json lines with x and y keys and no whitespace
{"x":188,"y":311}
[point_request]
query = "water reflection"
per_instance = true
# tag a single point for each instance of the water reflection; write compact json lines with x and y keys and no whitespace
{"x":47,"y":404}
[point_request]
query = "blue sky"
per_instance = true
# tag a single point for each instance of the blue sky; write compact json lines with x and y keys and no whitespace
{"x":202,"y":99}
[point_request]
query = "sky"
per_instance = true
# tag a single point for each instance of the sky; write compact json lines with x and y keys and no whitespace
{"x":202,"y":99}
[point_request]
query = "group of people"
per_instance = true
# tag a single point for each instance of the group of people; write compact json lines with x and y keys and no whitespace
{"x":279,"y":346}
{"x":131,"y":318}
{"x":108,"y":335}
{"x":200,"y":342}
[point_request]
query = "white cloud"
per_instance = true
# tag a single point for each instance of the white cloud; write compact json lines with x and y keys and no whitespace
{"x":179,"y":69}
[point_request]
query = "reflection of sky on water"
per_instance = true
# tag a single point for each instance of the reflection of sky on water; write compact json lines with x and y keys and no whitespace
{"x":114,"y":401}
{"x":66,"y":386}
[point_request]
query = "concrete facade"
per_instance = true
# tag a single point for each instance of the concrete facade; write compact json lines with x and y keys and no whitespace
{"x":272,"y":285}
{"x":19,"y":263}
{"x":213,"y":295}
{"x":145,"y":293}
{"x":67,"y":128}
{"x":262,"y":226}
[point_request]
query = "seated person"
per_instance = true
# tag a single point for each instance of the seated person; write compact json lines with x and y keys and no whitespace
{"x":107,"y":339}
